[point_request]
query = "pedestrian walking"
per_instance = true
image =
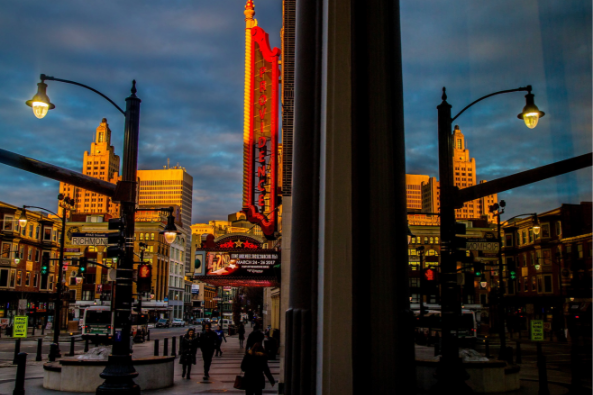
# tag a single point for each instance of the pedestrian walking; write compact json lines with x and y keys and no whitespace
{"x":208,"y":341}
{"x":256,"y":336}
{"x":220,"y":334}
{"x":255,"y":366}
{"x":187,"y":351}
{"x":241,"y":332}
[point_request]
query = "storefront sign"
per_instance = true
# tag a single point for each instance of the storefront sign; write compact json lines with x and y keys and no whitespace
{"x":537,"y":330}
{"x":19,"y":326}
{"x":89,"y":239}
{"x":260,"y":161}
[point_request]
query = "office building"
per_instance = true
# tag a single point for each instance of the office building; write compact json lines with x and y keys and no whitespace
{"x":102,"y":163}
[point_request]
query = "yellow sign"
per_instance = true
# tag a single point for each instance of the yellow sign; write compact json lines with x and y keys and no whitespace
{"x":19,"y":328}
{"x":537,"y":330}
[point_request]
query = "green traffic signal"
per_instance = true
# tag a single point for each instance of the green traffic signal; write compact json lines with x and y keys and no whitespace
{"x":45,"y":264}
{"x":513,"y":275}
{"x":82,"y":265}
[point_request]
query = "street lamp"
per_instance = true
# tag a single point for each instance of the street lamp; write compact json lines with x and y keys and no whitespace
{"x":40,"y":102}
{"x":451,"y":375}
{"x":66,"y":204}
{"x":119,"y":373}
{"x":170,"y":230}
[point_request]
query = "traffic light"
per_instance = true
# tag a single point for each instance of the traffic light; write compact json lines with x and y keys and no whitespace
{"x":429,"y":274}
{"x":478,"y":269}
{"x":512,"y":269}
{"x":116,"y":240}
{"x":45,"y":264}
{"x":144,"y":283}
{"x":82,"y":262}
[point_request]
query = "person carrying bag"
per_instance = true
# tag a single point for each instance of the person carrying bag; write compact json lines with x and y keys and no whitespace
{"x":255,"y":366}
{"x":187,"y":351}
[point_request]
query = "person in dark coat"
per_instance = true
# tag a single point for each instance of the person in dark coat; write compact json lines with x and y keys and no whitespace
{"x":256,"y":336}
{"x":241,"y":332}
{"x":255,"y":365}
{"x":220,"y":333}
{"x":187,"y":351}
{"x":208,"y":342}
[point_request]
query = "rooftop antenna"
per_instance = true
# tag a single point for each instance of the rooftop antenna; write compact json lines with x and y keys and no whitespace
{"x":167,"y":163}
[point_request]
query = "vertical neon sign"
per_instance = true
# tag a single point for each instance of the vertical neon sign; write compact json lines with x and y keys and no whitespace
{"x":261,"y":146}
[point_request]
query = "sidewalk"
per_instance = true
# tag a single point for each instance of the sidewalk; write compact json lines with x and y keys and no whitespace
{"x":222,"y":373}
{"x":225,"y":368}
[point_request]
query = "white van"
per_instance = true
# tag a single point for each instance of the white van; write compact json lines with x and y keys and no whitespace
{"x":224,"y":324}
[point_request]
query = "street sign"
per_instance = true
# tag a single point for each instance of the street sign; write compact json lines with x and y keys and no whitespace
{"x":485,"y":245}
{"x":91,"y":239}
{"x":537,"y":330}
{"x":217,"y":298}
{"x":166,"y":299}
{"x":20,"y":326}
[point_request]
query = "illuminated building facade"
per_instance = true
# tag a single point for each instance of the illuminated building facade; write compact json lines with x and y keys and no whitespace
{"x":414,"y":191}
{"x":423,"y":192}
{"x":102,"y":163}
{"x":21,"y":255}
{"x":171,"y":186}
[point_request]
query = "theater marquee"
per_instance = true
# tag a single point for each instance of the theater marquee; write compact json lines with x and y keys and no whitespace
{"x":260,"y":165}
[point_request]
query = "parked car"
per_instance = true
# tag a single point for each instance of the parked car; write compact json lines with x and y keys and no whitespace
{"x":178,"y":322}
{"x":163,"y":323}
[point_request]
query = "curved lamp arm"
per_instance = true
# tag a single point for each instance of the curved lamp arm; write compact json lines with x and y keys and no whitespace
{"x":44,"y":209}
{"x":47,"y":77}
{"x":521,"y":89}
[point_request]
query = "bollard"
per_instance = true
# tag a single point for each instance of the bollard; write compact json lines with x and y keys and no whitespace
{"x":543,"y":373}
{"x":166,"y":347}
{"x":39,"y":345}
{"x":43,"y":330}
{"x":173,"y":346}
{"x":86,"y":345}
{"x":71,"y":353}
{"x":518,"y":358}
{"x":17,"y":350}
{"x":52,"y":352}
{"x":156,"y":347}
{"x":148,"y":335}
{"x":19,"y":384}
{"x":33,"y":331}
{"x":487,"y":346}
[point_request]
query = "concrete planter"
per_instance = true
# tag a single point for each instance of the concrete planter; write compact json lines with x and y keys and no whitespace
{"x":485,"y":377}
{"x":72,"y":375}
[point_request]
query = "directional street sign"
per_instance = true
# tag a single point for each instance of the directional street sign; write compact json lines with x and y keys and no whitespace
{"x":486,"y":245}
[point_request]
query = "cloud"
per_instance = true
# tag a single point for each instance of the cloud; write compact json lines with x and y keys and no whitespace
{"x":188,"y":61}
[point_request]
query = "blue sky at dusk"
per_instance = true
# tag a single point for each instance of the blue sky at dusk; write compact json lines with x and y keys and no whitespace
{"x":188,"y":60}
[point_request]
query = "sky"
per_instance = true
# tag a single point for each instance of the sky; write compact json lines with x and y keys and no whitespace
{"x":188,"y":60}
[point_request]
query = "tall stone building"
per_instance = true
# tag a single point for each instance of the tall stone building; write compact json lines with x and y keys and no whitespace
{"x":102,"y":163}
{"x":423,"y":192}
{"x":464,"y":173}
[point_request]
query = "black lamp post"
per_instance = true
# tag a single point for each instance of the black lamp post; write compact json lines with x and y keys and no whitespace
{"x":451,"y":375}
{"x":66,"y":204}
{"x":119,"y":372}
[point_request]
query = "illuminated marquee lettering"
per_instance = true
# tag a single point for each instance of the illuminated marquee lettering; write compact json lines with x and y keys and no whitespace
{"x":261,"y":146}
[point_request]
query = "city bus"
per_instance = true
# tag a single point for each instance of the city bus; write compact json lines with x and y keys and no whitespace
{"x":428,"y":327}
{"x":97,"y":325}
